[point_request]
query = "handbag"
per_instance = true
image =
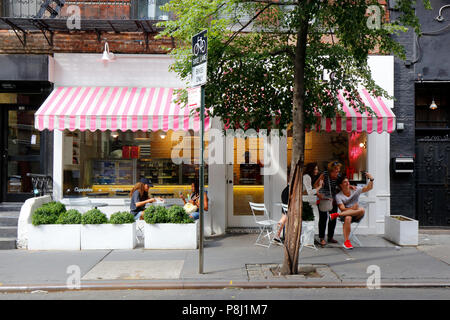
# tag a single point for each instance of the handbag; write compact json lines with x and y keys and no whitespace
{"x":189,"y":208}
{"x":326,"y":205}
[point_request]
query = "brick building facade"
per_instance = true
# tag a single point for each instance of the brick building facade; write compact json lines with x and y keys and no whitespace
{"x":423,"y":78}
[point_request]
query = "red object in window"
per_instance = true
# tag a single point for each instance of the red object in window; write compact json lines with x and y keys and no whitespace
{"x":350,"y":172}
{"x":126,"y":152}
{"x":134,"y":152}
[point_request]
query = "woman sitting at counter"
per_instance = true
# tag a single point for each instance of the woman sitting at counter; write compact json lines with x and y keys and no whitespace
{"x":195,"y":200}
{"x":139,"y":198}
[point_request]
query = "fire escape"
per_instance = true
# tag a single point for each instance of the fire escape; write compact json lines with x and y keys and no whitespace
{"x":111,"y":16}
{"x":51,"y":6}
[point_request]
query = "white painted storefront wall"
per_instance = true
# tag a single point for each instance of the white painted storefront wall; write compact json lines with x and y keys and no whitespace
{"x":88,"y":70}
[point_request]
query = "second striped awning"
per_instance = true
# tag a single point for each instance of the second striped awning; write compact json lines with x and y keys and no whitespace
{"x":383,"y":119}
{"x":115,"y":108}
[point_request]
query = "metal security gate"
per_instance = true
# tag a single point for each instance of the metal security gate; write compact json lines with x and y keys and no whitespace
{"x":432,"y":181}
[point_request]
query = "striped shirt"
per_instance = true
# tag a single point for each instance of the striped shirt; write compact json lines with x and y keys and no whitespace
{"x":327,"y":181}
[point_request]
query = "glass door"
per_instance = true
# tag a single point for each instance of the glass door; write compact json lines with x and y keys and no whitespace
{"x":21,"y":153}
{"x":244,"y":179}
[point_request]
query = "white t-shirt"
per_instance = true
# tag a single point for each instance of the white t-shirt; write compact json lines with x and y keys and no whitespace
{"x":307,"y":186}
{"x":351,"y":200}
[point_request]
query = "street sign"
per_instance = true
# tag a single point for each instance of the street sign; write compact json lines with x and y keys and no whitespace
{"x":194,"y":98}
{"x":200,"y":58}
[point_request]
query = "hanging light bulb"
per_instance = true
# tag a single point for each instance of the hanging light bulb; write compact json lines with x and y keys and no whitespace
{"x":433,"y":105}
{"x":162,"y":135}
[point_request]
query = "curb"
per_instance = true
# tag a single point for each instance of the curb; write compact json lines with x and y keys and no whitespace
{"x":199,"y":285}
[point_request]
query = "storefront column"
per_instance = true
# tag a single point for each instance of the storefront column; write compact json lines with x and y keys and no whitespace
{"x":58,"y":152}
{"x":276,"y":182}
{"x":378,"y":166}
{"x":215,"y":220}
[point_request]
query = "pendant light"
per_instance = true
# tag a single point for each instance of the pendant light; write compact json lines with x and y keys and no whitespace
{"x":433,"y":105}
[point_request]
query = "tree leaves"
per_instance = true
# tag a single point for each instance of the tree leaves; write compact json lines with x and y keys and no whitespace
{"x":250,"y":70}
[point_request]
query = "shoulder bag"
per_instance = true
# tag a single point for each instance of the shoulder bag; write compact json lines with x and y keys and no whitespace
{"x":326,"y":205}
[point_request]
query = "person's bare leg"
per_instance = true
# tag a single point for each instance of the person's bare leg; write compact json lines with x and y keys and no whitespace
{"x":352,"y":212}
{"x":347,"y":227}
{"x":281,"y":224}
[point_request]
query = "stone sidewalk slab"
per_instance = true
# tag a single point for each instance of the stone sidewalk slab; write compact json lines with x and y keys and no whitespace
{"x":136,"y":270}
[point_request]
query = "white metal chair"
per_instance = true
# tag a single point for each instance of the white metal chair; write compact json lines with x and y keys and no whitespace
{"x":264,"y":223}
{"x":352,"y":237}
{"x":305,"y":233}
{"x":140,"y":226}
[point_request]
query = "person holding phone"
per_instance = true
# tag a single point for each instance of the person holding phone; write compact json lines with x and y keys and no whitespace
{"x":195,"y":200}
{"x":347,"y":201}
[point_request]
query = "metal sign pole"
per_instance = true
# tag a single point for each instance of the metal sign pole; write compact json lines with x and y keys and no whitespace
{"x":202,"y":177}
{"x":199,"y":78}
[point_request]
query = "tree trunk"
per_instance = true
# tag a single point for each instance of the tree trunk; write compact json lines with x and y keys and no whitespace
{"x":294,"y":223}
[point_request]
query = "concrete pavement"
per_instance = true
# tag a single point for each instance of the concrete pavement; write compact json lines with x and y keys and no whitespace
{"x":230,"y":261}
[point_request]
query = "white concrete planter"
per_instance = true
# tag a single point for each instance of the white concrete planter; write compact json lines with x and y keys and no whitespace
{"x":308,"y":231}
{"x":403,"y":232}
{"x":54,"y":237}
{"x":171,"y":236}
{"x":108,"y":236}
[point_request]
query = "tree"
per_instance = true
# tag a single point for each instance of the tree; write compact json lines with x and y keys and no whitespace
{"x":268,"y":57}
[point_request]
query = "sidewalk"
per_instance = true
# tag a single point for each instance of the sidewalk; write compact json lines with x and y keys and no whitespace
{"x":229,"y":261}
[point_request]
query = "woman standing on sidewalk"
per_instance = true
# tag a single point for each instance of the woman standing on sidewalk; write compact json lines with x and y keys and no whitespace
{"x":328,"y":193}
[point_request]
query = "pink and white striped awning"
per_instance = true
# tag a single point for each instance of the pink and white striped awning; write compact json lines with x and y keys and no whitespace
{"x":383,"y":120}
{"x":115,"y":108}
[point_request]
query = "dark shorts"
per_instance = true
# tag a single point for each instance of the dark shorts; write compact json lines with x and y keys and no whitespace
{"x":354,"y":219}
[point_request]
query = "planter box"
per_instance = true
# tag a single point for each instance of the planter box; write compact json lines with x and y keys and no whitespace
{"x":108,"y":236}
{"x":171,"y":236}
{"x":308,"y":231}
{"x":404,"y":232}
{"x":54,"y":237}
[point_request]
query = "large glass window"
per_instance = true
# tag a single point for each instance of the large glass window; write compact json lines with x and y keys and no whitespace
{"x":350,"y":149}
{"x":248,"y":183}
{"x":108,"y":164}
{"x":23,"y":147}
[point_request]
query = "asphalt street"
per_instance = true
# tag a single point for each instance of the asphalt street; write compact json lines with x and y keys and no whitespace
{"x":241,"y":294}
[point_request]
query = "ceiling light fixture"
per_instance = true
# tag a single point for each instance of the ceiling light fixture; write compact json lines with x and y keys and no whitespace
{"x":433,"y":105}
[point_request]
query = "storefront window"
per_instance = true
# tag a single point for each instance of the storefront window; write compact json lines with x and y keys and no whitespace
{"x":350,"y":149}
{"x":248,"y":183}
{"x":109,"y":163}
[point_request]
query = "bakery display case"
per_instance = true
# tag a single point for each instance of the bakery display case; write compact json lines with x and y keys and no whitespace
{"x":160,"y":171}
{"x":114,"y":172}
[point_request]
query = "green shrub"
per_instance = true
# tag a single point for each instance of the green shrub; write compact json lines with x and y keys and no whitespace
{"x":55,"y":207}
{"x":307,"y":213}
{"x":43,"y":216}
{"x":156,"y":214}
{"x":48,"y":213}
{"x":159,"y":214}
{"x":121,"y":218}
{"x":94,"y":216}
{"x":69,"y":217}
{"x":178,"y":215}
